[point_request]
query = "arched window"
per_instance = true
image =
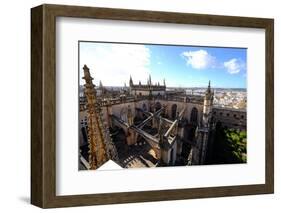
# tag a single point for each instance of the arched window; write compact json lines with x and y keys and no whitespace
{"x":144,"y":107}
{"x":123,"y":114}
{"x":174,"y":111}
{"x":84,"y":135}
{"x":191,"y":134}
{"x":194,"y":116}
{"x":157,"y":106}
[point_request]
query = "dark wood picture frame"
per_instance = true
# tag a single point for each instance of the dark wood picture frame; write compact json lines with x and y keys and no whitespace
{"x":43,"y":105}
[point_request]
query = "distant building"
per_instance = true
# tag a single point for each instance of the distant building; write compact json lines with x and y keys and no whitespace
{"x":147,"y":89}
{"x":230,"y":118}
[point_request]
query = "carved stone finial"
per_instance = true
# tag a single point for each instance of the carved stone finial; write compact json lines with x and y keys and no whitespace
{"x":87,"y":75}
{"x":96,"y":134}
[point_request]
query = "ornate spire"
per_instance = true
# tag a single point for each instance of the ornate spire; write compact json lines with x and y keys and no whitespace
{"x":164,"y":82}
{"x":209,"y":86}
{"x":130,"y":116}
{"x":131,"y":81}
{"x":100,"y":86}
{"x":96,"y":134}
{"x":161,"y":129}
{"x":87,"y":75}
{"x":208,"y":93}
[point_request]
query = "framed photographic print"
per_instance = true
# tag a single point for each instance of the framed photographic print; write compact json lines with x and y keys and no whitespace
{"x":136,"y":106}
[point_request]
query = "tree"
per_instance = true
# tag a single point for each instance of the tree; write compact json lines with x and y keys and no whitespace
{"x":230,"y":146}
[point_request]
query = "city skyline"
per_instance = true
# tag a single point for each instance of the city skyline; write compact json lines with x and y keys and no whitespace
{"x":180,"y":66}
{"x":147,"y":126}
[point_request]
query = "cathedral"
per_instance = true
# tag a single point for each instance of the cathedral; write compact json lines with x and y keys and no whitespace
{"x":145,"y":125}
{"x":147,"y":90}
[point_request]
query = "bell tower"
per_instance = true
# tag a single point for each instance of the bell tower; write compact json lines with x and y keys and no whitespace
{"x":202,"y":133}
{"x":208,"y":105}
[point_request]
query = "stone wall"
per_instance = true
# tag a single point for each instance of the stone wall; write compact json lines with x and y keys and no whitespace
{"x":121,"y":109}
{"x":231,"y":118}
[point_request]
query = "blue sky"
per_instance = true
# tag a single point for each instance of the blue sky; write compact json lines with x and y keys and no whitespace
{"x":180,"y":66}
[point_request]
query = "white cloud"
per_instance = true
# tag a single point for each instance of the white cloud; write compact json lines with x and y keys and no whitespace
{"x":233,"y":66}
{"x":199,"y":59}
{"x":114,"y":63}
